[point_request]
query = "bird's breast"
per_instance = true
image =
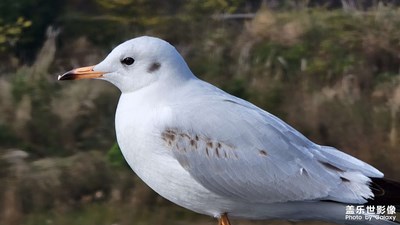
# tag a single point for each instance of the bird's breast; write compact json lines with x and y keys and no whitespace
{"x":140,"y":139}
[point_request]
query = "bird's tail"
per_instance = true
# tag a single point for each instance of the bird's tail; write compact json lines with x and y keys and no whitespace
{"x":386,"y":192}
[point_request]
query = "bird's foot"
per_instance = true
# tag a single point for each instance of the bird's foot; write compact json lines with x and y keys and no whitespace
{"x":223,"y":220}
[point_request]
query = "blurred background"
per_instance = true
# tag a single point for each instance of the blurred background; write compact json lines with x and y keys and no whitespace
{"x":329,"y":68}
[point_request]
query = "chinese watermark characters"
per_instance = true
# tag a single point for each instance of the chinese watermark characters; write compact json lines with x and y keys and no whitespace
{"x":369,"y":212}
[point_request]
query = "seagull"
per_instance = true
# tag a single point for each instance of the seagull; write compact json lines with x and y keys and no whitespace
{"x":219,"y":155}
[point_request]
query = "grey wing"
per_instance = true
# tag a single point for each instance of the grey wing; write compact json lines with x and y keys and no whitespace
{"x":239,"y":151}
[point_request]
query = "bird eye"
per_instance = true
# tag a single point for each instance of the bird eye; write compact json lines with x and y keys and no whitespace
{"x":128,"y":61}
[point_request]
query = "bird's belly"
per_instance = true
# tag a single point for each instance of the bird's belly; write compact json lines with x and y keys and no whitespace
{"x":143,"y":149}
{"x":154,"y":164}
{"x":163,"y":173}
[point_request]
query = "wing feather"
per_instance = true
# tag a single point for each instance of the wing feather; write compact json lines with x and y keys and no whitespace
{"x":237,"y":150}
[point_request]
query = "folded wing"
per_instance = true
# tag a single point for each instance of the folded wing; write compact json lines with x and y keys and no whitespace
{"x":242,"y":152}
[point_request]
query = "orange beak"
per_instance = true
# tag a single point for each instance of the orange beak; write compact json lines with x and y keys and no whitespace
{"x":81,"y":73}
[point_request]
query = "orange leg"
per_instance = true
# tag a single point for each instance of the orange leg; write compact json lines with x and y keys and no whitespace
{"x":223,"y":220}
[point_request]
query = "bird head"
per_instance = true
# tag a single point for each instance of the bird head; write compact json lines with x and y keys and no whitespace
{"x":135,"y":64}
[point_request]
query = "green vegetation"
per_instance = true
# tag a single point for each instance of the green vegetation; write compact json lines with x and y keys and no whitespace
{"x":331,"y":73}
{"x":115,"y":157}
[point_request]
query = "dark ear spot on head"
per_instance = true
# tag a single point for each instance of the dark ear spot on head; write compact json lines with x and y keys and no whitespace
{"x":154,"y":67}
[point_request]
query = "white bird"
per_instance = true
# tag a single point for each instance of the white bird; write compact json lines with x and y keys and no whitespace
{"x":219,"y":155}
